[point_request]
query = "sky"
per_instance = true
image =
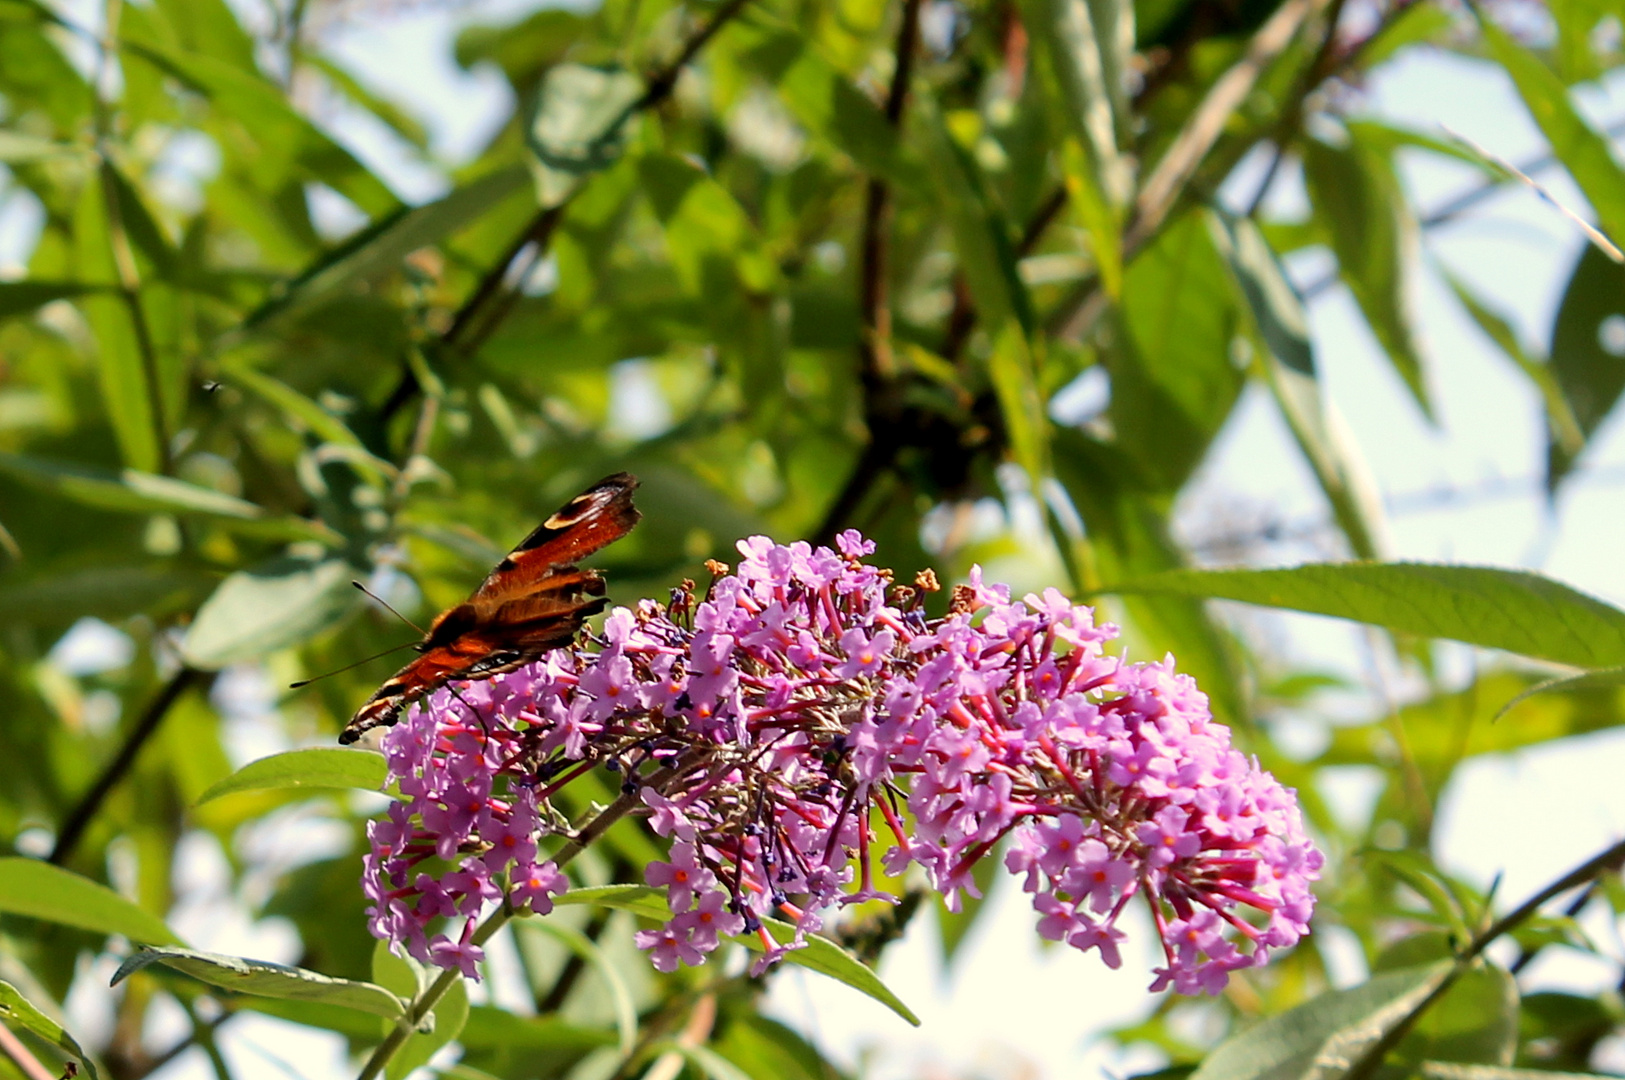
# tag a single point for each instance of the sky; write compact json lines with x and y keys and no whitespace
{"x":1006,"y":1008}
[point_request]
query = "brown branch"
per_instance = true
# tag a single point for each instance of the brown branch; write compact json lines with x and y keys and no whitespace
{"x":490,"y":303}
{"x":79,"y":819}
{"x":20,"y":1056}
{"x":1167,"y":182}
{"x":877,"y":369}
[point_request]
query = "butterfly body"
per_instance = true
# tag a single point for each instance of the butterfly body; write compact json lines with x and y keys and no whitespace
{"x":533,"y":601}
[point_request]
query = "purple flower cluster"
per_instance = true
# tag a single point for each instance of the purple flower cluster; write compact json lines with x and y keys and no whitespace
{"x":805,"y":710}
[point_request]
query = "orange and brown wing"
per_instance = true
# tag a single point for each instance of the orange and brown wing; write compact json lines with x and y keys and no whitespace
{"x":533,"y":601}
{"x":597,"y":517}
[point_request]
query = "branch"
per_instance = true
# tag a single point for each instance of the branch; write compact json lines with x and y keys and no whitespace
{"x":1609,"y":860}
{"x":79,"y":819}
{"x":425,"y":1002}
{"x":1167,"y":182}
{"x":877,"y":369}
{"x":19,"y":1055}
{"x":489,"y":303}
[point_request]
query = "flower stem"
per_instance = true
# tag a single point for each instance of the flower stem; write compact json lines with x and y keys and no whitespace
{"x":425,"y":1002}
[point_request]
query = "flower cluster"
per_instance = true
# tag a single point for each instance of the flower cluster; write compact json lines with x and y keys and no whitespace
{"x":804,"y":715}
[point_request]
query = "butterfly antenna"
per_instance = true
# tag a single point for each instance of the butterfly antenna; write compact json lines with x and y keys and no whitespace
{"x":348,"y":667}
{"x":385,"y":605}
{"x":470,"y":707}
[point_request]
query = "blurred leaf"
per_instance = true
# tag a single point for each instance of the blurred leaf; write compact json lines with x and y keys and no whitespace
{"x":1475,"y":1021}
{"x":23,"y":297}
{"x":1126,"y":522}
{"x":578,"y":126}
{"x":1173,"y":380}
{"x":271,"y":121}
{"x":263,"y":979}
{"x":1451,"y":1070}
{"x":111,"y":590}
{"x":821,"y":97}
{"x":272,"y":606}
{"x":1583,"y":152}
{"x":1588,"y":348}
{"x":381,"y":247}
{"x":981,"y":235}
{"x":1337,"y":1026}
{"x":820,"y":954}
{"x":704,"y":1060}
{"x":42,"y":891}
{"x":1417,"y":24}
{"x":523,"y":49}
{"x":1078,"y":51}
{"x":17,"y":148}
{"x":1289,"y":365}
{"x":119,"y":361}
{"x":1011,"y":369}
{"x":1567,"y":437}
{"x":16,"y":1011}
{"x":579,"y":944}
{"x":1585,"y":680}
{"x":315,"y":767}
{"x":396,"y":118}
{"x":1514,"y":610}
{"x":132,"y":491}
{"x":768,"y":1048}
{"x":407,"y":978}
{"x":1362,"y":210}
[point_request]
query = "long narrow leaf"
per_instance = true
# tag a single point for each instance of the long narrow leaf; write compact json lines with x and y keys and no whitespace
{"x":1514,"y":610}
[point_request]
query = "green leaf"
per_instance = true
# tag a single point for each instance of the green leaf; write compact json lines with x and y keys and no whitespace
{"x":408,"y":978}
{"x":118,"y":356}
{"x":1078,"y":55}
{"x":626,"y":1013}
{"x":1173,"y":381}
{"x":1588,"y":347}
{"x":1289,"y":368}
{"x":275,"y":605}
{"x":1362,"y":209}
{"x":42,"y":891}
{"x":137,"y":492}
{"x":1513,"y":610}
{"x":578,"y":126}
{"x":1564,"y":428}
{"x":277,"y":128}
{"x":381,"y":247}
{"x":17,"y":1012}
{"x":982,"y":237}
{"x":315,"y":767}
{"x":1015,"y":381}
{"x":1334,"y":1028}
{"x":17,"y":148}
{"x":1454,"y":1070}
{"x":23,"y":297}
{"x":1126,"y":519}
{"x":398,"y":119}
{"x":264,"y":979}
{"x":820,"y":97}
{"x":1475,"y":1021}
{"x":705,"y":1060}
{"x":820,"y":955}
{"x":1583,"y":152}
{"x":1585,"y":680}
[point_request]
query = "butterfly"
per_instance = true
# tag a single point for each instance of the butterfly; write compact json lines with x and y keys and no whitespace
{"x":534,"y":600}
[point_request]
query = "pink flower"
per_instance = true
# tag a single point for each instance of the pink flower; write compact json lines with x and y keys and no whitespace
{"x":776,"y":727}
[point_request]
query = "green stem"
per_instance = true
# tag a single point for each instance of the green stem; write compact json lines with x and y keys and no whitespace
{"x":1367,"y":1064}
{"x":425,"y":1002}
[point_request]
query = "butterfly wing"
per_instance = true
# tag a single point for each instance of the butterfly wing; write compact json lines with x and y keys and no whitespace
{"x":534,"y":600}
